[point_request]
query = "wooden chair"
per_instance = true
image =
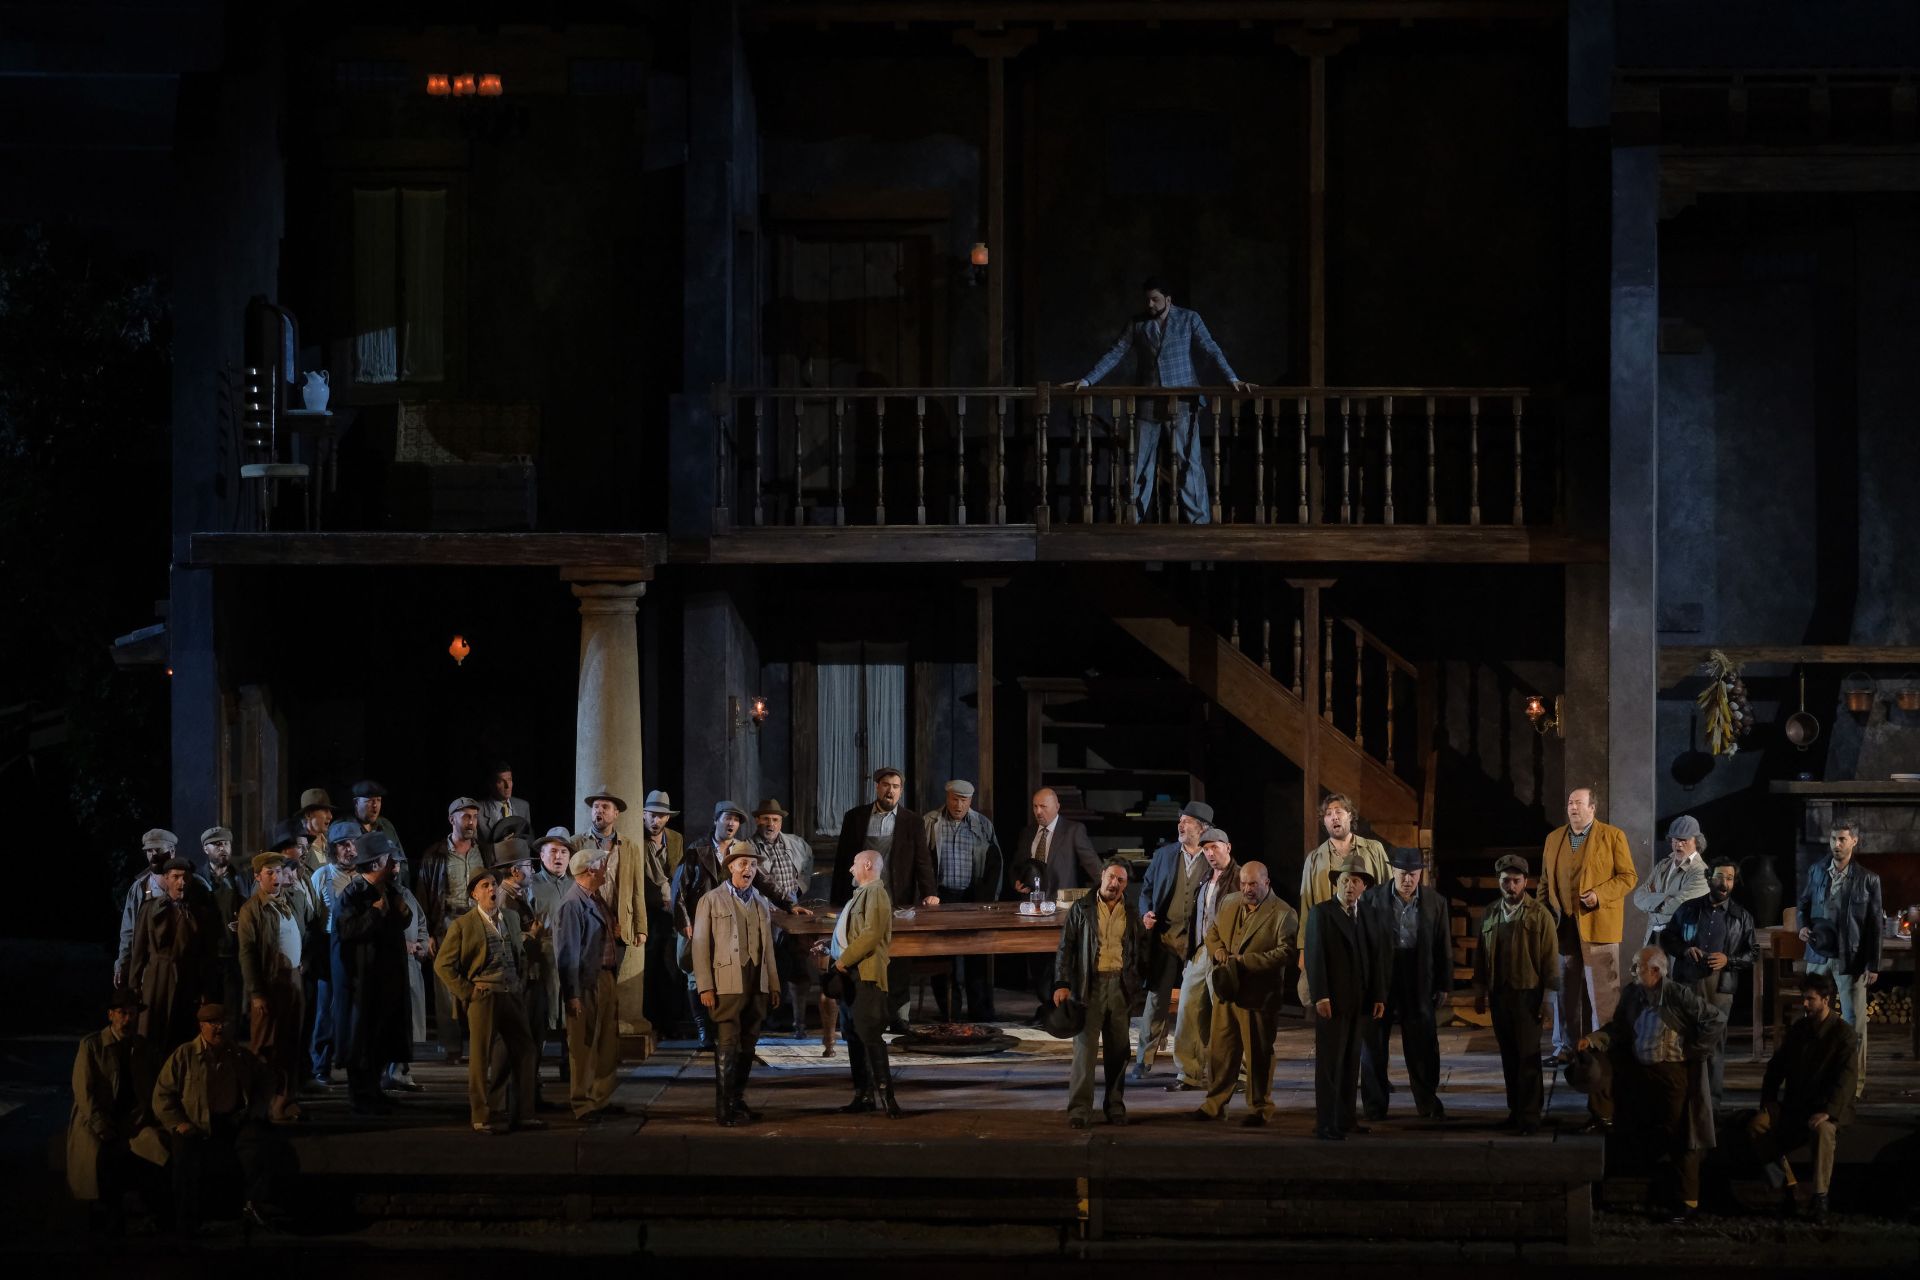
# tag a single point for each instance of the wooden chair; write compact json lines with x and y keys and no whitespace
{"x":244,"y":412}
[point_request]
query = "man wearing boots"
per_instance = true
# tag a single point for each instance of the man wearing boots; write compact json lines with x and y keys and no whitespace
{"x":588,"y":957}
{"x":1517,"y":964}
{"x":737,"y":978}
{"x":1346,"y":965}
{"x":701,"y":872}
{"x":1413,"y":920}
{"x":861,"y":940}
{"x":1807,"y":1095}
{"x":1098,"y":963}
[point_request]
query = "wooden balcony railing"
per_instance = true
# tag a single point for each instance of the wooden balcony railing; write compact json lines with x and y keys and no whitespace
{"x":999,"y":455}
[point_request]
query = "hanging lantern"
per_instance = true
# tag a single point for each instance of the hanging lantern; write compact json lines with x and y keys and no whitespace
{"x":979,"y":256}
{"x":489,"y":85}
{"x":463,"y":85}
{"x":459,"y":649}
{"x":439,"y":84}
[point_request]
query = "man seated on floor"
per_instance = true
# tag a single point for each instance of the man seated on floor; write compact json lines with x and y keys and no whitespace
{"x":212,"y":1096}
{"x":1648,"y":1071}
{"x":111,"y":1131}
{"x":1807,"y":1095}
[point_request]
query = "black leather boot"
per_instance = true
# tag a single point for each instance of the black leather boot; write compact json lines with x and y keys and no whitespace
{"x":702,"y":1024}
{"x":737,"y":1089}
{"x":883,"y":1081}
{"x":723,"y":1088}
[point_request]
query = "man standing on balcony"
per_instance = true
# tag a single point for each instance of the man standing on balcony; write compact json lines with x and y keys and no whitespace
{"x":1159,"y":350}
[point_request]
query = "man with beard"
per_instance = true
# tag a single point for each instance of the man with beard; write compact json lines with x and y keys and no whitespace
{"x":175,"y":957}
{"x":1345,"y":963}
{"x":787,"y":862}
{"x":1839,"y":914}
{"x":1807,"y":1096}
{"x":1677,"y":879}
{"x":1343,"y":843}
{"x":1516,"y":965}
{"x":1193,"y":1023}
{"x":157,"y":847}
{"x":1250,"y":946}
{"x":369,"y":953}
{"x":1711,"y":942}
{"x":899,"y":836}
{"x":228,"y":891}
{"x":271,"y":943}
{"x":1167,"y":895}
{"x":1412,"y":920}
{"x":1098,"y":964}
{"x":444,"y":871}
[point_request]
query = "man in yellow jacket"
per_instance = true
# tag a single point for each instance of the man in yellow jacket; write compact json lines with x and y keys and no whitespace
{"x":1587,"y":873}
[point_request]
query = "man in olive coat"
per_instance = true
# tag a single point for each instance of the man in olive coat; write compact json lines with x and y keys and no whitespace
{"x":1250,"y":946}
{"x":113,"y":1077}
{"x":1516,"y":965}
{"x":861,"y":939}
{"x":1346,"y":962}
{"x":483,"y":962}
{"x":1412,"y":919}
{"x":270,"y":942}
{"x":211,"y":1097}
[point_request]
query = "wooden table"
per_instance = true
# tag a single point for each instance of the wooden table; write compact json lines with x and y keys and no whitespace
{"x":956,"y":929}
{"x":1895,"y":953}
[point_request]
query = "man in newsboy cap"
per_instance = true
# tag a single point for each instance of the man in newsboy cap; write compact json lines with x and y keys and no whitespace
{"x":1679,"y":877}
{"x":441,"y":886}
{"x":157,"y":846}
{"x":969,"y":867}
{"x":1167,"y":893}
{"x":1515,"y":966}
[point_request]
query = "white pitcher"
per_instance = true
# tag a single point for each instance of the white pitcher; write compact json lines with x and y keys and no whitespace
{"x":319,"y":387}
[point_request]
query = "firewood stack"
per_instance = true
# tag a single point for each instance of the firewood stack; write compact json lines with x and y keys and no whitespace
{"x":1893,"y":1006}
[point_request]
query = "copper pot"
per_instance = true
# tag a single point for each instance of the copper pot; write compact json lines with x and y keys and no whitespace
{"x":1859,"y":698}
{"x":1802,"y":729}
{"x":1908,"y":699}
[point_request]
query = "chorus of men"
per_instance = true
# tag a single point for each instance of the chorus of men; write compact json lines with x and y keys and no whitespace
{"x":239,"y":989}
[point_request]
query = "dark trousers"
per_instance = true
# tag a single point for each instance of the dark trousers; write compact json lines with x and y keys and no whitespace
{"x":1336,"y":1065}
{"x":737,"y":1018}
{"x":1648,"y":1104}
{"x":972,"y":975}
{"x":661,"y":999}
{"x":235,"y":1142}
{"x":863,"y":1025}
{"x":320,"y":1048}
{"x":1516,"y":1025}
{"x":1412,"y":1008}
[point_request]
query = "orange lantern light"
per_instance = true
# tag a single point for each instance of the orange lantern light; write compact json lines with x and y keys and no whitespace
{"x":979,"y":255}
{"x":490,"y":86}
{"x":463,"y":85}
{"x":439,"y":85}
{"x":459,"y":649}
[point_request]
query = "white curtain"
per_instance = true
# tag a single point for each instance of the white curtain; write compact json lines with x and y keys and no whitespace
{"x":376,"y":346}
{"x":886,"y":716}
{"x":838,"y":728}
{"x":424,"y":243}
{"x":861,"y":723}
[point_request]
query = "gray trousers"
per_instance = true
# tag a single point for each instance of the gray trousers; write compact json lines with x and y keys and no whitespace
{"x":1589,"y":987}
{"x":1194,"y":1019}
{"x":1708,"y":988}
{"x":1105,"y":1034}
{"x":1165,"y":970}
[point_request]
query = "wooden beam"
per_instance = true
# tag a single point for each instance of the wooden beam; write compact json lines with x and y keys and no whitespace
{"x":1773,"y":169}
{"x":983,"y":589}
{"x":629,"y":553}
{"x":1132,"y":12}
{"x":1310,"y":589}
{"x":1678,"y":662}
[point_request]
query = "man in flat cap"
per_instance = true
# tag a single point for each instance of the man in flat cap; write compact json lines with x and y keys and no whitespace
{"x":1679,"y":877}
{"x":1711,"y":942}
{"x":587,"y":957}
{"x":369,"y":810}
{"x":651,"y":912}
{"x":552,"y":882}
{"x":1167,"y":895}
{"x":736,"y":976}
{"x":228,"y":887}
{"x":483,"y":961}
{"x":211,"y":1097}
{"x":175,"y":960}
{"x":113,"y":1077}
{"x":1250,"y":945}
{"x":444,"y":871}
{"x":271,"y":942}
{"x":699,"y":874}
{"x":1193,"y":1024}
{"x":157,"y":848}
{"x":371,"y":1004}
{"x":968,"y":867}
{"x":787,"y":862}
{"x":343,"y":849}
{"x":1516,"y":964}
{"x":1340,"y":820}
{"x":1346,"y":964}
{"x":1412,"y":919}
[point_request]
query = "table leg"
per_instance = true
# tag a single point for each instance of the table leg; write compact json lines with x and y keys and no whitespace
{"x":1757,"y":1041}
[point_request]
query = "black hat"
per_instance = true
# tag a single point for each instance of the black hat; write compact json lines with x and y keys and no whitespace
{"x":1031,"y":870}
{"x":368,"y":789}
{"x":1066,"y":1019}
{"x":510,"y":827}
{"x":1404,"y":858}
{"x":1200,"y":811}
{"x":376,"y":845}
{"x":176,"y":864}
{"x":286,"y":834}
{"x":478,"y":876}
{"x":1826,"y":939}
{"x":125,"y":998}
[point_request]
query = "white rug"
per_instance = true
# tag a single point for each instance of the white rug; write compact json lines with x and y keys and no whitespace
{"x":1035,"y":1045}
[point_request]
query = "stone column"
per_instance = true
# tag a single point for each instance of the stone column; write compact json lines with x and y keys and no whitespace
{"x":606,"y":745}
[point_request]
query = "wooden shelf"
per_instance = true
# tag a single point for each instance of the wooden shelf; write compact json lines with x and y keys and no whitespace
{"x":1114,"y":772}
{"x":1856,"y":790}
{"x":1680,"y":661}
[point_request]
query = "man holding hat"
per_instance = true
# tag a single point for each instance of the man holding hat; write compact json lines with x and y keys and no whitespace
{"x":1098,"y":963}
{"x":968,"y":867}
{"x":483,"y":962}
{"x":651,"y":915}
{"x":1711,"y":942}
{"x":1680,"y":877}
{"x":1193,"y":1023}
{"x":369,"y":803}
{"x":371,"y":1005}
{"x":787,"y":862}
{"x":271,"y":944}
{"x":1346,"y":965}
{"x":113,"y":1077}
{"x":587,"y":957}
{"x":211,"y":1096}
{"x":444,"y":872}
{"x":158,"y":848}
{"x":1516,"y":964}
{"x":1344,"y":842}
{"x":501,"y":802}
{"x":1419,"y":966}
{"x":1249,"y":945}
{"x":736,"y":976}
{"x":174,"y":964}
{"x":1167,"y":896}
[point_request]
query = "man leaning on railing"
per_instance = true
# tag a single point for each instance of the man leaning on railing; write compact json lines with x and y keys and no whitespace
{"x":1161,"y":346}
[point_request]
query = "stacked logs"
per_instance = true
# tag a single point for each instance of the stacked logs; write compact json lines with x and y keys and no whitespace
{"x":1894,"y":1006}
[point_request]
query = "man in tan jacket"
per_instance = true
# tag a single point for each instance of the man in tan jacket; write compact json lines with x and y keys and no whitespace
{"x":1250,"y":944}
{"x":1587,"y":873}
{"x":861,"y":941}
{"x":1344,"y":841}
{"x":735,"y":972}
{"x":483,"y":963}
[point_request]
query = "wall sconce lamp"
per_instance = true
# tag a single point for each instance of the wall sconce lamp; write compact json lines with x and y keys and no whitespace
{"x":464,"y":84}
{"x":439,"y":85}
{"x":459,"y":650}
{"x":977,"y":261}
{"x":1546,"y":719}
{"x":752,"y":712}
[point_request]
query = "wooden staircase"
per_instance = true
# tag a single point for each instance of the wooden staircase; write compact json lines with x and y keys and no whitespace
{"x":1398,"y":810}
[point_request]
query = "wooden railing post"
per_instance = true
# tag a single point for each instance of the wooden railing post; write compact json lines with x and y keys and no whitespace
{"x":722,"y":412}
{"x":1433,"y":503}
{"x":1346,"y":460}
{"x":1326,"y":674}
{"x":1392,"y":680}
{"x":880,"y":460}
{"x":1386,"y":414}
{"x":1042,"y":417}
{"x":1359,"y":684}
{"x":1215,"y":496}
{"x":1083,"y":409}
{"x":960,"y":458}
{"x":1260,"y":459}
{"x":1473,"y":450}
{"x":1000,"y":462}
{"x":919,"y":456}
{"x":839,"y":454}
{"x":799,"y":433}
{"x":1298,"y":641}
{"x":1134,"y":513}
{"x":1301,"y":404}
{"x":1519,"y":506}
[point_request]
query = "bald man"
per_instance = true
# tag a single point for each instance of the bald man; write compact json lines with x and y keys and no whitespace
{"x":1065,"y":852}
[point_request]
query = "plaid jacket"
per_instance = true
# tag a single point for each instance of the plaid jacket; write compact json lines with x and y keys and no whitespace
{"x":1173,"y":364}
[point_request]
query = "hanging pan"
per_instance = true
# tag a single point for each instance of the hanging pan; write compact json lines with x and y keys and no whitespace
{"x":1802,"y":729}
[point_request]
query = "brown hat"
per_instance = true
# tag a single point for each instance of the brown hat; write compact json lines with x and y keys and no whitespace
{"x":315,"y":798}
{"x":261,"y":861}
{"x":210,"y":1011}
{"x":604,"y":794}
{"x":125,"y":998}
{"x":737,"y":850}
{"x":770,"y":808}
{"x":1354,"y":865}
{"x":1511,"y":862}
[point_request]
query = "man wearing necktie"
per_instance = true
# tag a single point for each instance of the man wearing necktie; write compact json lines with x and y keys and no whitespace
{"x":1346,"y":966}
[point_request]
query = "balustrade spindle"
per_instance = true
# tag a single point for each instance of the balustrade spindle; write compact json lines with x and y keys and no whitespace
{"x":1266,"y":645}
{"x":1166,"y":506}
{"x":1133,"y":467}
{"x":1260,"y":459}
{"x":1042,"y":415}
{"x":839,"y":451}
{"x":880,"y":471}
{"x":1346,"y":461}
{"x":1519,"y":508}
{"x":1301,"y":405}
{"x":1360,"y":467}
{"x":1386,"y":408}
{"x":920,"y":456}
{"x":759,"y":431}
{"x":1115,"y":459}
{"x":1473,"y":452}
{"x":1390,"y":683}
{"x":1000,"y":463}
{"x":1083,"y":430}
{"x":799,"y":430}
{"x":960,"y":458}
{"x":1299,"y":648}
{"x":1359,"y":681}
{"x":1326,"y":673}
{"x":1216,"y":461}
{"x":1433,"y":503}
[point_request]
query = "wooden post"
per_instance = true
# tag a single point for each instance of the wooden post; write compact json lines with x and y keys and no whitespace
{"x":996,"y":47}
{"x":983,"y":589}
{"x":919,"y":457}
{"x":839,"y":453}
{"x":960,"y":460}
{"x":1386,"y":408}
{"x":1309,"y":633}
{"x":880,"y":460}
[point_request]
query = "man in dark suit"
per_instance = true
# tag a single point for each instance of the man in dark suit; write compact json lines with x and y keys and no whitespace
{"x":1066,"y":860}
{"x":899,"y":836}
{"x":1346,"y":980}
{"x":1412,"y":921}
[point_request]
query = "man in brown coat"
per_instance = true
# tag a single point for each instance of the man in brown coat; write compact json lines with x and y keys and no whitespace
{"x":113,"y":1078}
{"x":175,"y":957}
{"x":1586,"y":873}
{"x":271,"y":946}
{"x":1251,"y":943}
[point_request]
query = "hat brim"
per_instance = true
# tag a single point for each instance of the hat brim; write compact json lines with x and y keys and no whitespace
{"x":1334,"y":876}
{"x":615,"y":801}
{"x":1031,"y":870}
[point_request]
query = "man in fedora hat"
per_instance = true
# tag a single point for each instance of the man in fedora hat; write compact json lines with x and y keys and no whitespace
{"x":629,"y":884}
{"x":483,"y":961}
{"x":371,"y":1003}
{"x":1419,"y":967}
{"x":316,"y":815}
{"x":271,"y":943}
{"x":651,"y":914}
{"x":211,"y":1096}
{"x":445,"y":868}
{"x":588,"y":958}
{"x":369,"y":810}
{"x":603,"y":818}
{"x":787,"y":862}
{"x":1515,"y":966}
{"x":968,"y":867}
{"x":1678,"y":878}
{"x":699,"y":874}
{"x":1346,"y":965}
{"x":513,"y":865}
{"x":1249,"y":945}
{"x":175,"y":960}
{"x":157,"y":848}
{"x":735,"y":975}
{"x":113,"y":1077}
{"x":1340,"y":820}
{"x":1167,"y":894}
{"x":1098,"y":963}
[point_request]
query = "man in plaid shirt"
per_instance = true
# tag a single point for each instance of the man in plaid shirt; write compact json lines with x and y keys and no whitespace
{"x":1158,"y":349}
{"x":968,"y":862}
{"x":787,"y":861}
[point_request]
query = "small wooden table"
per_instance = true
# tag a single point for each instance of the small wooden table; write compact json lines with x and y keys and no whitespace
{"x":1895,"y":953}
{"x":956,"y":929}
